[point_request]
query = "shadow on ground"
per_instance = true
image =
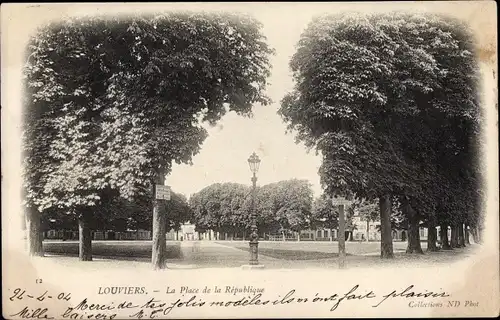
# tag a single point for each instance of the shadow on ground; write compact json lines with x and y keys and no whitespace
{"x":201,"y":254}
{"x":288,"y":254}
{"x":129,"y":250}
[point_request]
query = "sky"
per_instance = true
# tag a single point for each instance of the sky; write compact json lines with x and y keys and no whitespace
{"x":224,"y":154}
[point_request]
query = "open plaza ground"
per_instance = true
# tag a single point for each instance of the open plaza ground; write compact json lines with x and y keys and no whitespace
{"x":231,"y":254}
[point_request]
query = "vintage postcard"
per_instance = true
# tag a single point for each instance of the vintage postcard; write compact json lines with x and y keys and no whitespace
{"x":249,"y":160}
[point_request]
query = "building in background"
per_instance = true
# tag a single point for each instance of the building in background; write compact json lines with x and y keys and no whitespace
{"x":187,"y":232}
{"x":365,"y":230}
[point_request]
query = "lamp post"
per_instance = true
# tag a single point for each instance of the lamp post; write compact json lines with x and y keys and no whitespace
{"x":254,"y":163}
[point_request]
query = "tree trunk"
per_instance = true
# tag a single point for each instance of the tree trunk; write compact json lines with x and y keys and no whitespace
{"x":386,"y":251}
{"x":479,"y":235}
{"x":432,"y":234}
{"x":34,"y":235}
{"x":445,"y":244}
{"x":461,"y":235}
{"x":331,"y":234}
{"x":454,"y":236}
{"x":367,"y":229}
{"x":466,"y":235}
{"x":159,"y":252}
{"x":341,"y":243}
{"x":432,"y":239}
{"x":85,"y":235}
{"x":413,"y":229}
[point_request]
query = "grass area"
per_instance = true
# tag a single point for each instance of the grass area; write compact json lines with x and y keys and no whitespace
{"x":274,"y":255}
{"x":330,"y":247}
{"x":290,"y":254}
{"x":427,"y":259}
{"x":360,"y":254}
{"x":125,"y":250}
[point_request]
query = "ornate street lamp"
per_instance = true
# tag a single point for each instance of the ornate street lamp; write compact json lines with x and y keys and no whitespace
{"x":254,"y":163}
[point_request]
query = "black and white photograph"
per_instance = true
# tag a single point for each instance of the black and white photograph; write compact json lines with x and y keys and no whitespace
{"x":249,"y":160}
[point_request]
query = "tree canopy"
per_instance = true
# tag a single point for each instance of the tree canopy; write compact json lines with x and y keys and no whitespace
{"x":391,"y":103}
{"x":110,"y":100}
{"x":280,"y":207}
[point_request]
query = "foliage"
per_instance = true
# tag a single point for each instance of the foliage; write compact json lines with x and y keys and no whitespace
{"x":280,"y":207}
{"x":368,"y":210}
{"x":221,"y":207}
{"x":289,"y":203}
{"x":120,"y":214}
{"x":324,"y":214}
{"x":138,"y":212}
{"x":110,"y":101}
{"x":390,"y":101}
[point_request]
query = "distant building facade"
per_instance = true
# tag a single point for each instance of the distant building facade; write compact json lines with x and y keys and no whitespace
{"x":360,"y":231}
{"x":186,"y":232}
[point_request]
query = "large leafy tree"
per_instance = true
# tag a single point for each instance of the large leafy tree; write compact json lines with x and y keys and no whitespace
{"x":112,"y":102}
{"x":445,"y":141}
{"x":372,"y":94}
{"x":280,"y":207}
{"x":221,"y":207}
{"x":291,"y":204}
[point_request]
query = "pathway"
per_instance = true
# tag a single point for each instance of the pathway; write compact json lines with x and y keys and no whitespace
{"x":209,"y":253}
